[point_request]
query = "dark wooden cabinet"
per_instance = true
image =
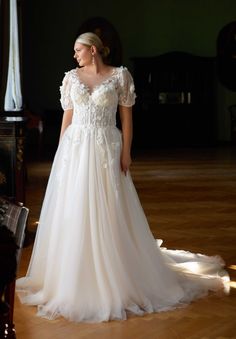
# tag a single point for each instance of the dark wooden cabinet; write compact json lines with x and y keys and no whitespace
{"x":12,"y":158}
{"x":12,"y":186}
{"x":176,"y":100}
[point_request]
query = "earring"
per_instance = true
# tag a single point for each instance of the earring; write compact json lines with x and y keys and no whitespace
{"x":92,"y":59}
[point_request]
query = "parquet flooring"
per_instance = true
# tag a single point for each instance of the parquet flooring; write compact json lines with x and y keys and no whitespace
{"x":189,"y":197}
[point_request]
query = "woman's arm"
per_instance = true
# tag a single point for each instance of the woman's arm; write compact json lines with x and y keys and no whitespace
{"x":127,"y":134}
{"x":66,"y":121}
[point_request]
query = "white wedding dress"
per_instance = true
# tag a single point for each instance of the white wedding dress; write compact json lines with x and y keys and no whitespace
{"x":95,"y":258}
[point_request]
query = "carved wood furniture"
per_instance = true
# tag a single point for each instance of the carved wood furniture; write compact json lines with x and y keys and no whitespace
{"x":13,"y":219}
{"x":176,"y":100}
{"x":12,"y":157}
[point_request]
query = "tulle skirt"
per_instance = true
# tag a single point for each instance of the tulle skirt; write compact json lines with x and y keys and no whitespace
{"x":95,"y":258}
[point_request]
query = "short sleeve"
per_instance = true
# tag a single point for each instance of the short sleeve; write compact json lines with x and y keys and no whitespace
{"x":126,"y":88}
{"x":65,"y":91}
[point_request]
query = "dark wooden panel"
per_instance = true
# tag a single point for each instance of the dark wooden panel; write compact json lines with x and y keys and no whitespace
{"x":12,"y":162}
{"x":176,"y":100}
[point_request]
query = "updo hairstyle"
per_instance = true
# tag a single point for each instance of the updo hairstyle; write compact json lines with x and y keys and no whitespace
{"x":92,"y":39}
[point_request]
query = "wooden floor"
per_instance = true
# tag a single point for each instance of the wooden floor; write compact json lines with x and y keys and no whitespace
{"x":189,"y":197}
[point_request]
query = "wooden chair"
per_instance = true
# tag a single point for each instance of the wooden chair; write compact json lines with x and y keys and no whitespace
{"x":13,"y":220}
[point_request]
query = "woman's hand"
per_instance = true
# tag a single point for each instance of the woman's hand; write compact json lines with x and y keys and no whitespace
{"x":127,"y":132}
{"x":125,"y":162}
{"x":66,"y":121}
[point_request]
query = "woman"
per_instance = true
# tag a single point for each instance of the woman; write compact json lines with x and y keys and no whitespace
{"x":94,"y":257}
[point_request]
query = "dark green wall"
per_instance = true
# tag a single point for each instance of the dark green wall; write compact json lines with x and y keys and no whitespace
{"x":146,"y":28}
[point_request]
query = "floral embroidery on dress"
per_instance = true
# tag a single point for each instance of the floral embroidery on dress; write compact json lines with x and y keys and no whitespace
{"x":80,"y":95}
{"x":94,"y":112}
{"x":100,"y":97}
{"x":65,"y":89}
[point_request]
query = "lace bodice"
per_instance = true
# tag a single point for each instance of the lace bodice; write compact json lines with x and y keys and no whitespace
{"x":97,"y":108}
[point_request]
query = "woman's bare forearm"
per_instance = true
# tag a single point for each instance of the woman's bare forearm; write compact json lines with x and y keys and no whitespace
{"x":66,"y":121}
{"x":127,"y":128}
{"x":127,"y":135}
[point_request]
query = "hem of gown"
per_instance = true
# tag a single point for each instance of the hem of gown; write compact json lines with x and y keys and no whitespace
{"x":123,"y":314}
{"x":51,"y":311}
{"x":208,"y":278}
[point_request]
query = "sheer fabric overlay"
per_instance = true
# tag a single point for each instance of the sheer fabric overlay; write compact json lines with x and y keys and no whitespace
{"x":95,"y":258}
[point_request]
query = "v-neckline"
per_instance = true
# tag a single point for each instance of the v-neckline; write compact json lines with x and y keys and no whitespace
{"x":89,"y":90}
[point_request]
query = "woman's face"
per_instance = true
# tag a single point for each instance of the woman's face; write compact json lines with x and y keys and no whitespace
{"x":82,"y":54}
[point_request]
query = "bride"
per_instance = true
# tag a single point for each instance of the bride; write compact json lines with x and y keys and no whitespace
{"x":95,"y":258}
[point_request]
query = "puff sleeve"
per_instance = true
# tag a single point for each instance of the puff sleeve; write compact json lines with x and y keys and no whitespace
{"x":126,"y":88}
{"x":65,"y":90}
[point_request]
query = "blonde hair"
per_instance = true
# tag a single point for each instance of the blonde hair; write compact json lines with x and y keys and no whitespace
{"x":92,"y":39}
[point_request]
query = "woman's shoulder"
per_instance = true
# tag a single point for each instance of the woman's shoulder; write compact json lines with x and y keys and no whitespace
{"x":122,"y":69}
{"x":69,"y":76}
{"x":72,"y":72}
{"x":124,"y":74}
